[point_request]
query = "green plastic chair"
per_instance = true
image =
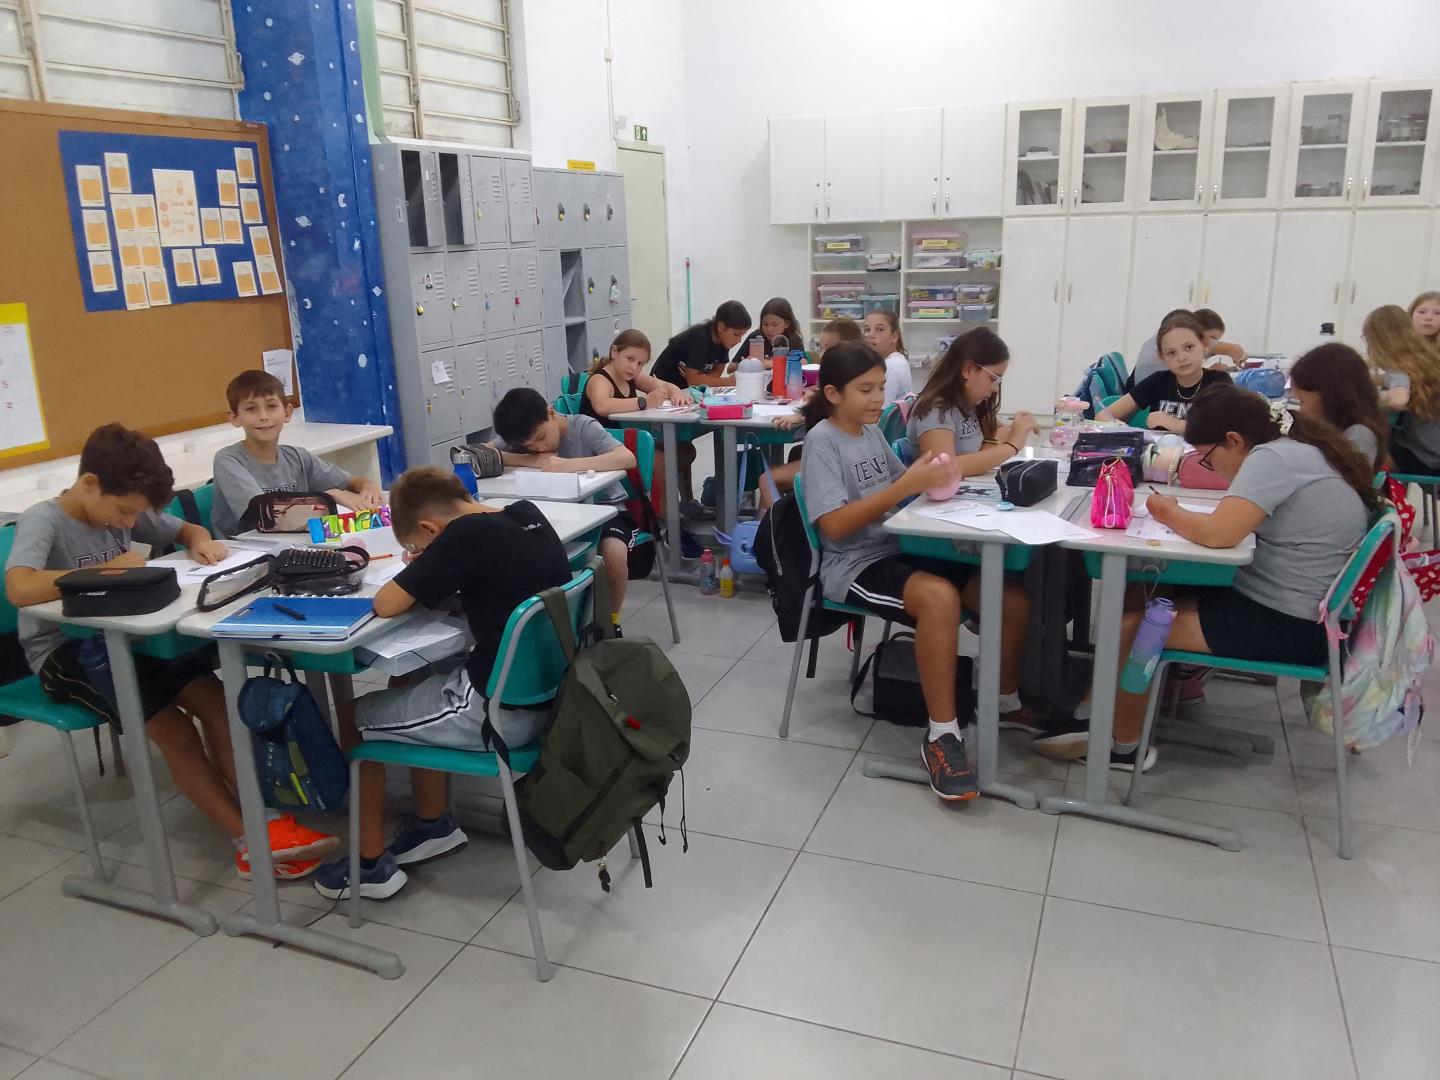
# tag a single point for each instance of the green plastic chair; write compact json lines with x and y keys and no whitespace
{"x":1141,"y":417}
{"x":26,"y":700}
{"x":530,"y":664}
{"x":892,"y":425}
{"x":204,"y":506}
{"x":1338,"y":609}
{"x":572,"y":393}
{"x":645,"y":466}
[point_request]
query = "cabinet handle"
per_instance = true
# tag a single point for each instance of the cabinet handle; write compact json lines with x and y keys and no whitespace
{"x":1214,"y":192}
{"x":817,"y":209}
{"x":454,"y":305}
{"x":1075,"y":195}
{"x":1335,"y":299}
{"x":947,"y":202}
{"x":1364,"y":188}
{"x":1062,"y":197}
{"x":1199,"y":192}
{"x":827,"y":209}
{"x":1190,"y":294}
{"x":1349,"y":182}
{"x":1353,"y":286}
{"x":1069,"y":292}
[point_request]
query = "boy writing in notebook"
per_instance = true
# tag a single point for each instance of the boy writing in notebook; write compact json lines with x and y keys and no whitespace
{"x":259,"y":464}
{"x":531,"y":434}
{"x":99,"y":521}
{"x":493,"y":559}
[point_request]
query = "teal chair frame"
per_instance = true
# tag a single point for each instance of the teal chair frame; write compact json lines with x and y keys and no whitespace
{"x":645,"y":466}
{"x":1338,"y":609}
{"x":529,"y":668}
{"x":891,"y":424}
{"x":204,"y":503}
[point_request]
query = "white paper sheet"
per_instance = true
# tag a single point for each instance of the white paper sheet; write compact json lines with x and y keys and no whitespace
{"x":415,"y":643}
{"x":1144,"y":527}
{"x":770,"y":410}
{"x":194,"y":573}
{"x":278,"y":363}
{"x":378,"y":573}
{"x":1032,"y":527}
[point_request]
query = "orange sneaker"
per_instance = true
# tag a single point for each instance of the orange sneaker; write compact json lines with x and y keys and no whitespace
{"x":291,"y":842}
{"x":284,"y":871}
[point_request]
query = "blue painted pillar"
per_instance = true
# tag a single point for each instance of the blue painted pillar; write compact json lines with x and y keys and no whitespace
{"x":303,"y":79}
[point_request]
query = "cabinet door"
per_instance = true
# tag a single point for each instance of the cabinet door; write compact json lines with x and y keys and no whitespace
{"x":504,"y":367}
{"x":1387,"y":263}
{"x":1037,"y":145}
{"x":487,"y":185}
{"x":1248,"y":149}
{"x":600,"y":333}
{"x":1235,"y":273}
{"x":1102,"y":154}
{"x":1311,"y":254}
{"x":612,"y":186}
{"x":592,"y":210}
{"x":552,"y":289}
{"x":465,"y":201}
{"x":525,"y":286}
{"x":909,"y":164}
{"x":474,"y":378}
{"x":1165,"y":266}
{"x":1326,"y":129}
{"x":442,"y":394}
{"x":1097,"y":273}
{"x":499,"y":297}
{"x":594,"y":280}
{"x":531,"y":351}
{"x":433,"y":200}
{"x":797,"y":169}
{"x":1396,"y":158}
{"x":618,"y":297}
{"x":852,"y":168}
{"x":1432,"y":271}
{"x":1175,"y":150}
{"x":520,"y":200}
{"x":569,"y":209}
{"x":552,"y":343}
{"x":972,"y":160}
{"x":432,"y":299}
{"x":546,"y":223}
{"x":467,"y":296}
{"x":1034,"y":252}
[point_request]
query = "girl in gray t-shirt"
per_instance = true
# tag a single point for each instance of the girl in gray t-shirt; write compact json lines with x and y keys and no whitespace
{"x":850,"y":480}
{"x":1334,"y":386}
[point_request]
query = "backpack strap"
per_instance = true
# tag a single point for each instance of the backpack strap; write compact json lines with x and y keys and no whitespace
{"x":189,"y":508}
{"x":644,"y":853}
{"x":559,"y":612}
{"x":640,"y":506}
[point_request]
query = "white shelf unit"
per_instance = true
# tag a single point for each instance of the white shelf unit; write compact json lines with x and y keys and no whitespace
{"x":922,"y":336}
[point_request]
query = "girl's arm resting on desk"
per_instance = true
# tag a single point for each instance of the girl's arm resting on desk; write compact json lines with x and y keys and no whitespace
{"x":1233,"y":520}
{"x":603,"y":400}
{"x":844,"y":520}
{"x":392,"y":600}
{"x":1123,"y":409}
{"x":707,"y":378}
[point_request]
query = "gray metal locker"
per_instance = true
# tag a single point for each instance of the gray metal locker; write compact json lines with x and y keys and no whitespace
{"x":434,"y":203}
{"x":525,"y":281}
{"x":552,"y":342}
{"x":467,"y":298}
{"x":472,"y":372}
{"x":432,"y":299}
{"x":542,"y":182}
{"x":601,"y":333}
{"x":595,"y":281}
{"x":504,"y":367}
{"x":521,"y":197}
{"x":569,"y":209}
{"x":499,"y":295}
{"x":487,"y":181}
{"x":442,"y":395}
{"x":618,"y":262}
{"x":592,"y":210}
{"x":552,"y":289}
{"x":612,"y":186}
{"x":531,"y":348}
{"x":439,"y":456}
{"x":464,"y":199}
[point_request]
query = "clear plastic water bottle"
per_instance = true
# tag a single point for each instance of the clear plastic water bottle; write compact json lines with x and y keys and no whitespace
{"x":709,"y":580}
{"x":1149,"y":642}
{"x":727,"y":579}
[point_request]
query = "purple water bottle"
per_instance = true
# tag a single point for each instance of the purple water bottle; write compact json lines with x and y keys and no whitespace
{"x":1149,"y":641}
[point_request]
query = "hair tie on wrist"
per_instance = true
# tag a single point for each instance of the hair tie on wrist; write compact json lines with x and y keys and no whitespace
{"x":1011,"y":445}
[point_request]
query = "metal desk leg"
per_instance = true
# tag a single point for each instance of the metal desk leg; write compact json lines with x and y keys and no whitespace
{"x":672,"y":495}
{"x":729,"y":498}
{"x":161,"y":900}
{"x":1102,"y":723}
{"x":265,"y":921}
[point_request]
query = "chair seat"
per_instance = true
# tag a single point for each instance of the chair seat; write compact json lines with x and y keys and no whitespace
{"x":1253,"y":667}
{"x":846,"y":609}
{"x":27,"y":700}
{"x":444,"y":759}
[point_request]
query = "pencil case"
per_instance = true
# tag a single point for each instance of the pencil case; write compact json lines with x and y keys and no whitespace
{"x":1093,"y":449}
{"x":1025,"y":483}
{"x":117,"y":590}
{"x":739,"y":410}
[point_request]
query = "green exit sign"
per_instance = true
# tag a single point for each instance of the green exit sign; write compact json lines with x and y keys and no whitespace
{"x":642,"y":133}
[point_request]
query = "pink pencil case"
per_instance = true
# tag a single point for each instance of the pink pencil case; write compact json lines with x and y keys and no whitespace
{"x":741,"y":410}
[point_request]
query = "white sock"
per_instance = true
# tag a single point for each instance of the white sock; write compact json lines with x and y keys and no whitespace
{"x":1010,"y":702}
{"x":1125,"y":747}
{"x":951,"y":728}
{"x":1082,"y":711}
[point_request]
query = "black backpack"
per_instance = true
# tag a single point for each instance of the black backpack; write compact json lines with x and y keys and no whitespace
{"x":299,"y":764}
{"x":783,"y":553}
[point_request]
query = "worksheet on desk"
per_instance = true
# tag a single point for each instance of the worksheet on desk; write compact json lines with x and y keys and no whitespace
{"x":1144,"y":527}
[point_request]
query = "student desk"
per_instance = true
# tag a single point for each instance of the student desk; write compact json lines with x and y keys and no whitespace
{"x":760,"y":423}
{"x":504,"y":486}
{"x":570,"y":520}
{"x":669,"y":421}
{"x":150,"y":633}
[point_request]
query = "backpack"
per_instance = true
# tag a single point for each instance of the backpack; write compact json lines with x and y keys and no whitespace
{"x":1104,"y":378}
{"x":641,"y":557}
{"x":783,"y":552}
{"x":619,"y":731}
{"x":1383,"y":670}
{"x":299,"y":764}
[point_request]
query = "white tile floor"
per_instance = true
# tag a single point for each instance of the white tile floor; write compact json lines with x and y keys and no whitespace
{"x":822,"y":924}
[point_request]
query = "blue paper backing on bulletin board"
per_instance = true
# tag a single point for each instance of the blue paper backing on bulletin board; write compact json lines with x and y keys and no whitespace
{"x":203,"y":158}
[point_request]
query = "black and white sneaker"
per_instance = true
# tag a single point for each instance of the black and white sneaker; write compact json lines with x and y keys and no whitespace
{"x":1125,"y":761}
{"x":1064,"y":738}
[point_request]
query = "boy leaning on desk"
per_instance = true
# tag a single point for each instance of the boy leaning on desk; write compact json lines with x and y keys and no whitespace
{"x":112,"y":506}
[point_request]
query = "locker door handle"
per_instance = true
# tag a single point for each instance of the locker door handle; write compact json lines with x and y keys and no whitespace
{"x":1335,"y":299}
{"x":1364,"y":188}
{"x":419,"y":309}
{"x":1214,"y":192}
{"x":1069,"y":292}
{"x":454,"y":305}
{"x":947,"y":202}
{"x":934,"y":202}
{"x":1353,"y":286}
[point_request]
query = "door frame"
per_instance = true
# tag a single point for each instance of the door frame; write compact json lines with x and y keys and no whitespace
{"x":650,"y":148}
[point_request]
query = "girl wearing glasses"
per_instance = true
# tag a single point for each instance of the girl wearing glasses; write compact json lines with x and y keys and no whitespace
{"x":955,"y":414}
{"x":1168,"y":394}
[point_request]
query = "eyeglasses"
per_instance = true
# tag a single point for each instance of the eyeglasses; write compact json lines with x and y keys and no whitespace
{"x":1205,"y":462}
{"x":998,"y":378}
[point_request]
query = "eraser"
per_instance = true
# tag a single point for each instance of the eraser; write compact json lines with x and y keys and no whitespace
{"x":1004,"y":506}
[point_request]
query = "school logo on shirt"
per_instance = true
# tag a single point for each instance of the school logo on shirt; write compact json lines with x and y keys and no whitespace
{"x":1177,"y":409}
{"x":966,"y":426}
{"x":292,"y":486}
{"x":95,"y":558}
{"x":870,"y":471}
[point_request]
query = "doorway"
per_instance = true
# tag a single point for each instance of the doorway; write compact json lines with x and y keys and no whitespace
{"x":647,"y":222}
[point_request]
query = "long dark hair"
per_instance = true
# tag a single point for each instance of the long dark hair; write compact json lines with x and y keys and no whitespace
{"x":1347,"y":392}
{"x":1224,"y":407}
{"x":946,"y":388}
{"x":841,"y":365}
{"x":731,"y":313}
{"x":781,"y":309}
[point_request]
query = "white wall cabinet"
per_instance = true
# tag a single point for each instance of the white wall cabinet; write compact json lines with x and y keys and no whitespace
{"x":852,"y":169}
{"x":1387,"y":264}
{"x":1037,"y":148}
{"x":1102,"y":154}
{"x":910,"y":153}
{"x":972,"y":160}
{"x":797,"y":169}
{"x":1175,"y":149}
{"x":1165,"y":274}
{"x":1034,"y":250}
{"x":1235,"y":273}
{"x":1097,"y":279}
{"x":1311,"y":252}
{"x":1326,"y":132}
{"x":1247,"y":148}
{"x":1432,"y":271}
{"x":1398,"y":155}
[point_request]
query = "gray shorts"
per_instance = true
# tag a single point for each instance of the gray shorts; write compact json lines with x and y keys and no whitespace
{"x":444,"y":709}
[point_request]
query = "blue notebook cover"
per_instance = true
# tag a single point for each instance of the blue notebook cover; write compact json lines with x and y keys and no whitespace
{"x":326,"y":618}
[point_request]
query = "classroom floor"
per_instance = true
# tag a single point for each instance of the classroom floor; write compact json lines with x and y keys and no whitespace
{"x":822,"y":924}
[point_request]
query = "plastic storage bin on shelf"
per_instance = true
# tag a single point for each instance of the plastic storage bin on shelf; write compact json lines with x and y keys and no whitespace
{"x":842,"y":309}
{"x":983,"y":258}
{"x":848,"y":264}
{"x":882,"y":260}
{"x":931,"y":309}
{"x":937,"y":260}
{"x":939,"y":292}
{"x":832,"y":291}
{"x":980,"y":292}
{"x":977,"y":312}
{"x":942,"y":240}
{"x":881,"y":302}
{"x":840,"y":243}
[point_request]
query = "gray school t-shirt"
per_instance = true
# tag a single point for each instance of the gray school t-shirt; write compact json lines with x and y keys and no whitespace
{"x":1315,"y":521}
{"x":1363,"y":439}
{"x":968,"y":436}
{"x":47,"y":538}
{"x":584,"y":437}
{"x":838,"y":469}
{"x":239,"y":478}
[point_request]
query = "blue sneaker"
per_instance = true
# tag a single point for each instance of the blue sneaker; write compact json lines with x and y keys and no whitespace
{"x":380,"y":882}
{"x":419,"y":841}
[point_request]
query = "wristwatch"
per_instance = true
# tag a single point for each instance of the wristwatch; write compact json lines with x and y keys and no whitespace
{"x":643,"y":404}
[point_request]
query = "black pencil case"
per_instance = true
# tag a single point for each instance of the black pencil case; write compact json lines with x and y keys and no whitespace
{"x":1025,"y":483}
{"x":1094,"y":448}
{"x":118,"y":590}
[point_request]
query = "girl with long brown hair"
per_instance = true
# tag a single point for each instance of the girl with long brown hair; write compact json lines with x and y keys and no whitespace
{"x":1333,"y":385}
{"x":1403,"y":362}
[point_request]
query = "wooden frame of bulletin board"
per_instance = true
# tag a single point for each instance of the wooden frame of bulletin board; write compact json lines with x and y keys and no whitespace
{"x":161,"y":370}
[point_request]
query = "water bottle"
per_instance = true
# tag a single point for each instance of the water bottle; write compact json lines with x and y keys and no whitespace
{"x":1149,"y":641}
{"x":709,"y":582}
{"x":795,"y":375}
{"x":460,"y":463}
{"x":727,"y":578}
{"x":779,"y":354}
{"x":757,"y":347}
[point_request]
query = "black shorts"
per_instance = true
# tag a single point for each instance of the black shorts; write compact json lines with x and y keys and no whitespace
{"x":1406,"y":462}
{"x":1237,"y":626}
{"x":641,"y":556}
{"x":160,"y":679}
{"x":880,"y":587}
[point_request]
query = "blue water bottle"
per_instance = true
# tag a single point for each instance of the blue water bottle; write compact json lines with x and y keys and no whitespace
{"x":460,"y":463}
{"x":1149,"y":643}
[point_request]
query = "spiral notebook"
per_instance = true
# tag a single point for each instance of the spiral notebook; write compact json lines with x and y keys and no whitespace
{"x":309,"y":618}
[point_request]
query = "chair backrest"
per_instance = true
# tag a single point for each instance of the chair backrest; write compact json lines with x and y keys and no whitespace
{"x":644,"y":458}
{"x":892,"y":423}
{"x":572,"y":392}
{"x":530,"y":663}
{"x":9,"y":618}
{"x":812,"y":534}
{"x":204,"y":505}
{"x":1339,"y":605}
{"x":568,"y":404}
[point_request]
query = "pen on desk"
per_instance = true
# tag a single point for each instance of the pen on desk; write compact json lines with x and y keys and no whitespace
{"x":299,"y":616}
